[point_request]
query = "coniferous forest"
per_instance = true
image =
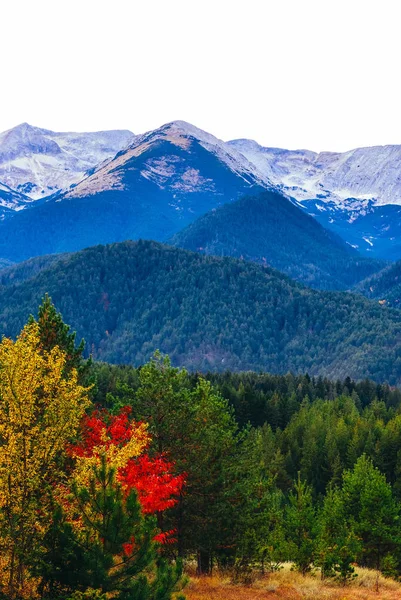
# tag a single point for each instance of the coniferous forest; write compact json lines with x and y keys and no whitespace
{"x":206,"y":312}
{"x":113,"y":479}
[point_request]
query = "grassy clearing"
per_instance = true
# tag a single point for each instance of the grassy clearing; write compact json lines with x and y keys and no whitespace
{"x":289,"y":585}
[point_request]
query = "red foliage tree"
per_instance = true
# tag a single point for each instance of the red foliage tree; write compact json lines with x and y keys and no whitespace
{"x":153,"y":479}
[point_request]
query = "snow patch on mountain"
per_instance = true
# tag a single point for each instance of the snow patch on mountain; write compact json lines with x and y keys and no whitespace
{"x":39,"y":162}
{"x":11,"y":199}
{"x":169,"y":169}
{"x":353,"y":180}
{"x":236,"y":161}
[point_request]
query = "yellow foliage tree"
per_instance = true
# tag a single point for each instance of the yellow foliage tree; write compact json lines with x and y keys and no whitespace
{"x":40,"y":410}
{"x":117,"y":456}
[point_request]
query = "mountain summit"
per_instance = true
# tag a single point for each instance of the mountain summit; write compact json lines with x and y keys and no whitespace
{"x":39,"y":162}
{"x":356,"y":194}
{"x":169,"y":157}
{"x":271,"y":230}
{"x":160,"y":183}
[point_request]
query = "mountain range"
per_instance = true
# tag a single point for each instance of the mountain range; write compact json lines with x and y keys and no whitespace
{"x":362,"y":175}
{"x":248,"y":229}
{"x":156,"y":186}
{"x":152,"y":185}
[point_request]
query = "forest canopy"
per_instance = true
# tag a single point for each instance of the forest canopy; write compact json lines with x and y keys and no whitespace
{"x":112,"y":478}
{"x":207,"y":313}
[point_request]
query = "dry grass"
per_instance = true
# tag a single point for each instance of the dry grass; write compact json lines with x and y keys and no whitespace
{"x":289,"y":585}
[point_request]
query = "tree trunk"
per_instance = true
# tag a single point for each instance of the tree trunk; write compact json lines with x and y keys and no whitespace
{"x":203,"y":562}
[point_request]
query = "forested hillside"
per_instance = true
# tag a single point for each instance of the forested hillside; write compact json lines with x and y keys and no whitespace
{"x":384,"y":286}
{"x":270,"y":230}
{"x":11,"y":274}
{"x":152,"y":468}
{"x":208,"y":313}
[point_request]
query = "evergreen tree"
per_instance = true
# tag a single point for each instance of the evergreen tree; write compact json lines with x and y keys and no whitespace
{"x":63,"y":565}
{"x":337,"y":547}
{"x":54,"y":332}
{"x":258,"y":523}
{"x":371,"y":511}
{"x":301,"y":526}
{"x":113,"y":550}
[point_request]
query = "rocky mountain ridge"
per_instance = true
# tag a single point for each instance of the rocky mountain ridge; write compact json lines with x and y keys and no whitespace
{"x":356,"y":194}
{"x":38,"y":162}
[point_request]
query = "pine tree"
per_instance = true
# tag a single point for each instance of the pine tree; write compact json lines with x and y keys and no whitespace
{"x":113,"y":549}
{"x":301,"y":525}
{"x":371,"y":511}
{"x":54,"y":332}
{"x":337,"y":546}
{"x":258,"y":522}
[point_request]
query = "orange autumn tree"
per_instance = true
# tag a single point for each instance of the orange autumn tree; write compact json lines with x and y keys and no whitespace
{"x":40,"y":410}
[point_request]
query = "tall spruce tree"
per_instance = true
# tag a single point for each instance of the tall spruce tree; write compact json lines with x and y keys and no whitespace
{"x":54,"y":332}
{"x":258,"y":515}
{"x":337,"y":545}
{"x":301,"y":525}
{"x":371,"y":511}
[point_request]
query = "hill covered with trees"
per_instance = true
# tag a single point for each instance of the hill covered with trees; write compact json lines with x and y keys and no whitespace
{"x":384,"y":286}
{"x":19,"y":272}
{"x":109,"y":489}
{"x":208,"y":313}
{"x":270,"y":230}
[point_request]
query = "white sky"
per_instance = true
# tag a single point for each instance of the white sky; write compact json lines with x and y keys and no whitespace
{"x":323,"y":75}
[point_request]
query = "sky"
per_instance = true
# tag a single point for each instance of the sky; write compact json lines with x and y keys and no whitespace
{"x":322,"y":75}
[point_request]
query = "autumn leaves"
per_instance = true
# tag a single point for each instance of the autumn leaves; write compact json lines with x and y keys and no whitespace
{"x":40,"y":411}
{"x":68,"y":471}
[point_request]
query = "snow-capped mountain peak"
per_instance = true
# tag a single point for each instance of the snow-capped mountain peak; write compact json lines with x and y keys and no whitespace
{"x":235,"y":160}
{"x":39,"y":162}
{"x":166,"y":156}
{"x":363,"y":174}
